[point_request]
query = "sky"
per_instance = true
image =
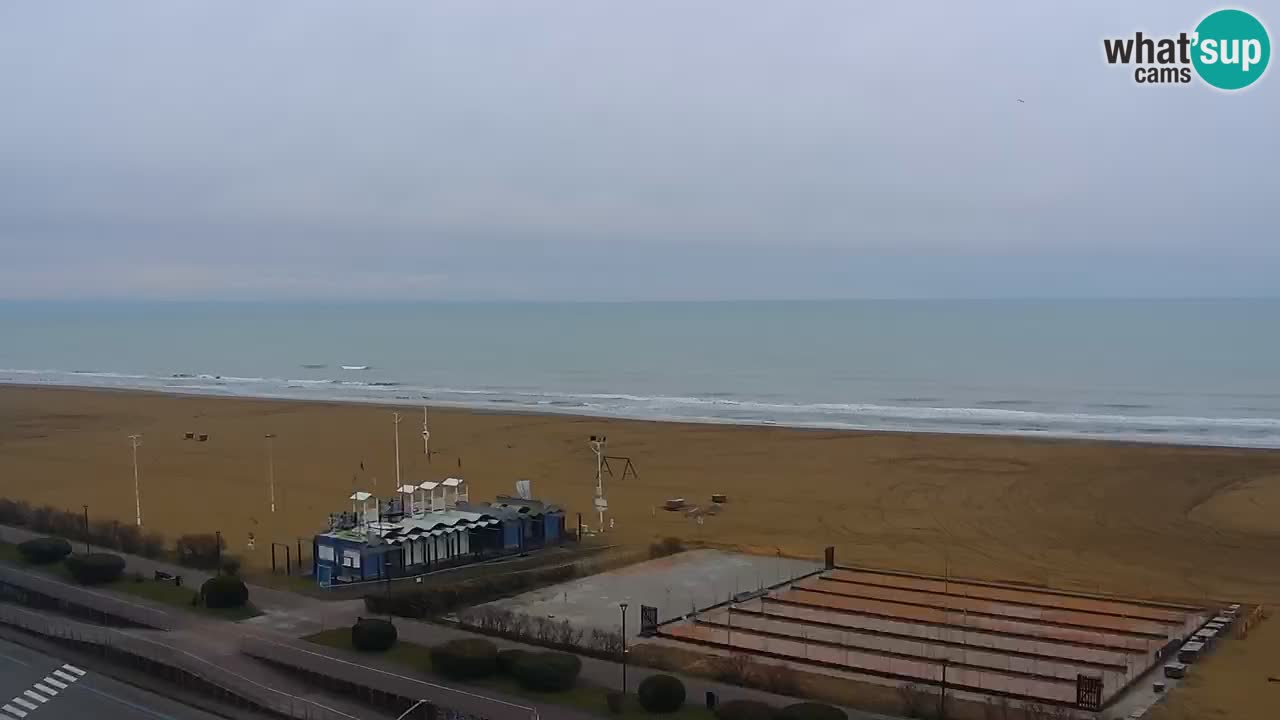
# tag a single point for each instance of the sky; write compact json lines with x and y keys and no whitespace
{"x":610,"y":150}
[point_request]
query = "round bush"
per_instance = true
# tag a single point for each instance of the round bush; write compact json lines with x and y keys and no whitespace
{"x":744,"y":710}
{"x":547,"y":671}
{"x":465,"y":659}
{"x":811,"y":711}
{"x":224,"y":591}
{"x":373,"y":634}
{"x":45,"y":550}
{"x":95,"y":568}
{"x":661,"y":694}
{"x":508,"y":658}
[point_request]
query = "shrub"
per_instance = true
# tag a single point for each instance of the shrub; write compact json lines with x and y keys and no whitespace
{"x":661,"y":694}
{"x":373,"y":634}
{"x":811,"y":711}
{"x":426,"y":601}
{"x":668,"y":546}
{"x":465,"y":659}
{"x":614,"y":699}
{"x":103,"y":532}
{"x":67,"y":524}
{"x":508,"y":658}
{"x":547,"y":671}
{"x":151,"y":545}
{"x":200,"y":550}
{"x":129,"y":538}
{"x":744,"y":710}
{"x":224,"y":591}
{"x":15,"y":512}
{"x":95,"y":568}
{"x":45,"y":550}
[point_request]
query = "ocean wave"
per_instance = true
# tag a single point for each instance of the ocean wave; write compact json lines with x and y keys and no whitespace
{"x":1119,"y":420}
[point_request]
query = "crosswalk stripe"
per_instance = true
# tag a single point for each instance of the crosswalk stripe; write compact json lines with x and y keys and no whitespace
{"x":65,"y":676}
{"x":25,"y":703}
{"x":45,"y":689}
{"x":14,"y":711}
{"x":35,"y":696}
{"x":55,"y":683}
{"x":73,"y":669}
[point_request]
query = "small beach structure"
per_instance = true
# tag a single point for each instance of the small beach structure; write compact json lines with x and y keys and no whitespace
{"x":426,"y":527}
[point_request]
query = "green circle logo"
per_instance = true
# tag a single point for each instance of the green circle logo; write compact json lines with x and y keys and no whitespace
{"x":1232,"y":49}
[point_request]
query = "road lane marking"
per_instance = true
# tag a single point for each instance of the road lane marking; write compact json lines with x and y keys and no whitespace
{"x":126,"y":703}
{"x":36,"y":696}
{"x":73,"y":669}
{"x":14,"y":711}
{"x":25,"y":703}
{"x":10,"y":658}
{"x":65,"y":676}
{"x":55,"y":683}
{"x":45,"y":689}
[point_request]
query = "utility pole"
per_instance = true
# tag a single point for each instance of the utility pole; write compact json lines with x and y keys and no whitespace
{"x":623,"y":607}
{"x":86,"y":529}
{"x":271,"y":467}
{"x":397,"y":424}
{"x":426,"y":435}
{"x":136,"y":440}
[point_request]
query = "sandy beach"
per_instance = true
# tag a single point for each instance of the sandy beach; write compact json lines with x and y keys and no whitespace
{"x":1156,"y":521}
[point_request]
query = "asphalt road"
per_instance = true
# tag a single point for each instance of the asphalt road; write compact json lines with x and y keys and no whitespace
{"x":36,"y":686}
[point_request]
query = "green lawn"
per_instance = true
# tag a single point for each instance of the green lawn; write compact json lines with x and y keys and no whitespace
{"x":164,"y":592}
{"x":584,"y":697}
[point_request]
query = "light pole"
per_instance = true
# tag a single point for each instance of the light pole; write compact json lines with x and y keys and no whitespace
{"x":136,"y":440}
{"x":623,"y":607}
{"x":86,"y":529}
{"x":271,"y":467}
{"x":397,"y":424}
{"x":728,"y":635}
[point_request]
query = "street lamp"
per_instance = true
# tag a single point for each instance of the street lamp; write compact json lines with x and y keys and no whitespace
{"x":623,"y":608}
{"x":86,"y":529}
{"x":271,"y":467}
{"x":136,"y":440}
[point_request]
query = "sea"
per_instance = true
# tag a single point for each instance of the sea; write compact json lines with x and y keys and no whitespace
{"x":1203,"y":372}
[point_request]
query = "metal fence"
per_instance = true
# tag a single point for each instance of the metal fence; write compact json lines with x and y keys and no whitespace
{"x":154,"y":654}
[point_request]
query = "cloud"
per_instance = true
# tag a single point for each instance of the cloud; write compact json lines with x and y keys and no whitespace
{"x":524,"y":146}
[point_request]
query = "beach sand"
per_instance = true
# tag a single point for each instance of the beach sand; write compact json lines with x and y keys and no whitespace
{"x":1147,"y":520}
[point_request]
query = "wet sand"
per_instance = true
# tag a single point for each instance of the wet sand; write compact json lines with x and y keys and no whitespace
{"x":1168,"y":522}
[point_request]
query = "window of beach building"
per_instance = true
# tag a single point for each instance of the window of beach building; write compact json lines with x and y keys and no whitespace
{"x":351,"y":558}
{"x":326,"y":553}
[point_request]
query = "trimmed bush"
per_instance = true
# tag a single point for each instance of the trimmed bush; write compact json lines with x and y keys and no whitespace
{"x":373,"y":634}
{"x":224,"y":591}
{"x":668,"y":546}
{"x":95,"y":568}
{"x":661,"y":694}
{"x":15,"y":512}
{"x":547,"y":671}
{"x":811,"y":711}
{"x":42,"y":551}
{"x":200,"y":550}
{"x":465,"y":659}
{"x":744,"y":710}
{"x":508,"y":658}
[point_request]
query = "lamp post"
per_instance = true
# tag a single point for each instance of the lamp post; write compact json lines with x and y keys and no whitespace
{"x":86,"y":529}
{"x":396,"y":421}
{"x":271,"y":467}
{"x":623,"y":608}
{"x":136,"y":440}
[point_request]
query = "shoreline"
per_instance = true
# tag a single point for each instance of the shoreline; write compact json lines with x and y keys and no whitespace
{"x":576,"y":413}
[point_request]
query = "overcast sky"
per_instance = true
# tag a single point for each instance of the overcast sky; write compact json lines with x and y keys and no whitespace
{"x":609,"y":149}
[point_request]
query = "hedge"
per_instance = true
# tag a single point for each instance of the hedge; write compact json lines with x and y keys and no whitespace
{"x":811,"y":711}
{"x":427,"y":601}
{"x":507,"y":659}
{"x":465,"y":659}
{"x":661,"y":694}
{"x":45,"y":550}
{"x":373,"y":634}
{"x":744,"y":710}
{"x":224,"y":591}
{"x":200,"y":550}
{"x":95,"y":568}
{"x":547,"y":671}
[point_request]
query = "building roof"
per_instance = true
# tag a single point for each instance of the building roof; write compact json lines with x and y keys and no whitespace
{"x":431,"y":524}
{"x":408,"y":488}
{"x":360,"y":496}
{"x":453,"y":482}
